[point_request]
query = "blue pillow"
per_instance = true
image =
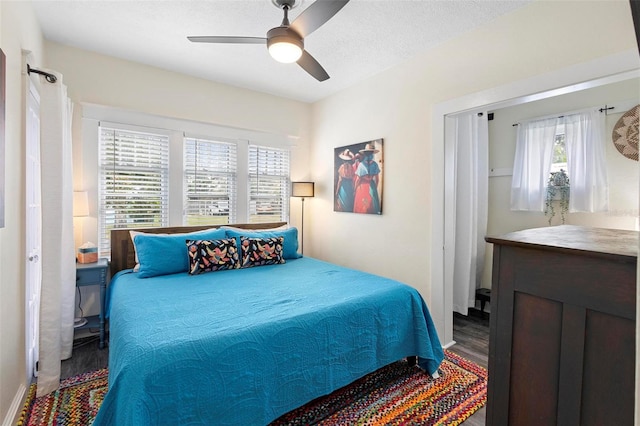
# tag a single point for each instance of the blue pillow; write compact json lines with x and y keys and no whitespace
{"x":163,"y":254}
{"x":290,"y":248}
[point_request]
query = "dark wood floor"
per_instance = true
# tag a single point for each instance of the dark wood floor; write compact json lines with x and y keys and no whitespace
{"x":471,"y":334}
{"x":86,"y":357}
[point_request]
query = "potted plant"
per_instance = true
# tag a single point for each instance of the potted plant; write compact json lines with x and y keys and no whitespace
{"x":557,"y":190}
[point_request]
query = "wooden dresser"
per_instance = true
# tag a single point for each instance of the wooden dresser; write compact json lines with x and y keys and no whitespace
{"x":562,"y":328}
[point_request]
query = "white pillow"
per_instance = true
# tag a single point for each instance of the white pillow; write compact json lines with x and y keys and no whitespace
{"x":135,"y":251}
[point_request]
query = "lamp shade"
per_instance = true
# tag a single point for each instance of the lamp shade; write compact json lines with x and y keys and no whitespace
{"x":80,"y":204}
{"x":302,"y":189}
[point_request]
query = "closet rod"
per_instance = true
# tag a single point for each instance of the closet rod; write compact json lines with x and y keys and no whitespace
{"x":603,"y":109}
{"x":49,"y":77}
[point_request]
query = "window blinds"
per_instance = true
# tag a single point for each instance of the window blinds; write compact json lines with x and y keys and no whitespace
{"x":268,"y":184}
{"x":133,"y":182}
{"x":209,"y":182}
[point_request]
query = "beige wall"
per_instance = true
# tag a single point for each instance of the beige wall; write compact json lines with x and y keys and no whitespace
{"x":159,"y":96}
{"x":18,"y":30}
{"x":104,"y":80}
{"x":97,"y":79}
{"x":397,"y":105}
{"x":622,"y":172}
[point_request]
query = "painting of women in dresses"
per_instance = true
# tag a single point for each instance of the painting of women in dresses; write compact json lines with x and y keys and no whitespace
{"x":358,"y":178}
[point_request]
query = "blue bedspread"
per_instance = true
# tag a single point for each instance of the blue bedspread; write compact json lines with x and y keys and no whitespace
{"x":242,"y":347}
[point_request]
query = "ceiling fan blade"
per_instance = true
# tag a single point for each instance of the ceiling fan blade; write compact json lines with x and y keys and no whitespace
{"x":316,"y":15}
{"x":310,"y":65}
{"x":228,"y":39}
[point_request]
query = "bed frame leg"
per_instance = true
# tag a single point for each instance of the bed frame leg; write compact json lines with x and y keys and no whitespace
{"x":412,"y":360}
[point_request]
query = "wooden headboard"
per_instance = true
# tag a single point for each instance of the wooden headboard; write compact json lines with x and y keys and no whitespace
{"x":123,"y":254}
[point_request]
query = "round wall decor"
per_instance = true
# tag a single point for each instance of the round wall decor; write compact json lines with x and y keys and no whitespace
{"x":625,"y":133}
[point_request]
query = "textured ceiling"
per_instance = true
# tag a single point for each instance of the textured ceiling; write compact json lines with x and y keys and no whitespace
{"x":363,"y":39}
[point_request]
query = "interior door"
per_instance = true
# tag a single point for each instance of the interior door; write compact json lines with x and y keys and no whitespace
{"x":33,"y":225}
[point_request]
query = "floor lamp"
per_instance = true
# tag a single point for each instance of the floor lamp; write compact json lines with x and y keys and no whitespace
{"x":303,"y":190}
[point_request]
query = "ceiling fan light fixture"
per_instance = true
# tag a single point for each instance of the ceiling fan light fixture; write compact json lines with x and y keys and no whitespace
{"x":286,"y":42}
{"x":285,"y":52}
{"x":284,"y":45}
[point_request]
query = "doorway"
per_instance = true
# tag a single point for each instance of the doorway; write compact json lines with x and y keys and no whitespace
{"x":595,"y":73}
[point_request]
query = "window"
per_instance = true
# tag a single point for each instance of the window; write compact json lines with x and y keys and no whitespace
{"x":575,"y":143}
{"x":268,"y":184}
{"x":559,"y":153}
{"x":150,"y":174}
{"x":209,"y":182}
{"x":133,"y":182}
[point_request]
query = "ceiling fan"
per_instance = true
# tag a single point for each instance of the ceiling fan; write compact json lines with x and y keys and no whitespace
{"x":286,"y":42}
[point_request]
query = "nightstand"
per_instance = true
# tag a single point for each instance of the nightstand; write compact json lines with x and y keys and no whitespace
{"x":94,"y":274}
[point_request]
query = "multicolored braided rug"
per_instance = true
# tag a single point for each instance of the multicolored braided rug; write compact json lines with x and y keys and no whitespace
{"x":400,"y":395}
{"x":394,"y":395}
{"x":75,"y":403}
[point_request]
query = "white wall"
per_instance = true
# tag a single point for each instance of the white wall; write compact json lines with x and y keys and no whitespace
{"x":623,"y":172}
{"x":397,"y":106}
{"x":18,"y":30}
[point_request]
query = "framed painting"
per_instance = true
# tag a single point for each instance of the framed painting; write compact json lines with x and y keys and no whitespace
{"x":358,"y":176}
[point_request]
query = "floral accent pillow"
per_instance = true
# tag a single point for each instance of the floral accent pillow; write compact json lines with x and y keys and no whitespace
{"x":212,"y":255}
{"x":261,"y":251}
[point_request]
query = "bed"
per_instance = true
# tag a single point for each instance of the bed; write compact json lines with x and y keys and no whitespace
{"x":244,"y":346}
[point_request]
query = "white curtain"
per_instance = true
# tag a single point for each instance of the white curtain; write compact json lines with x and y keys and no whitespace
{"x":58,"y":257}
{"x":586,"y":161}
{"x":471,"y":166}
{"x":532,"y":164}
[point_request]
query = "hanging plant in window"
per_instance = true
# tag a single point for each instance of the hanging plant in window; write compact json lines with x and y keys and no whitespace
{"x":557,"y":190}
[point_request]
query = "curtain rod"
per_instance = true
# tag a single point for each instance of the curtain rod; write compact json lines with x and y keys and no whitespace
{"x":603,"y":109}
{"x":49,"y":77}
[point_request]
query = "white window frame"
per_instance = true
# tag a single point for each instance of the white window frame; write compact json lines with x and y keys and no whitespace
{"x":94,"y":115}
{"x":206,"y":158}
{"x":268,"y":184}
{"x":152,"y":159}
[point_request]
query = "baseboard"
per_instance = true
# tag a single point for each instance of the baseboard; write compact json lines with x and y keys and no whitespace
{"x":448,"y":345}
{"x":15,"y":409}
